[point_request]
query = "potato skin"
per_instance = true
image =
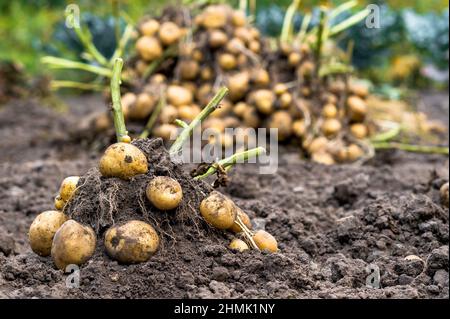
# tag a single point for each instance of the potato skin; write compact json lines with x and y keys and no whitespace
{"x":123,"y":160}
{"x":218,"y":211}
{"x":265,"y":241}
{"x":73,"y":244}
{"x":68,"y":187}
{"x":239,"y":245}
{"x":244,"y":218}
{"x":132,"y":242}
{"x":43,"y":229}
{"x":164,"y":193}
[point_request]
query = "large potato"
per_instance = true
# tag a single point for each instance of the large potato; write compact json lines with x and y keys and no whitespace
{"x":73,"y":244}
{"x":132,"y":242}
{"x":123,"y":160}
{"x":218,"y":211}
{"x":164,"y":193}
{"x":43,"y":229}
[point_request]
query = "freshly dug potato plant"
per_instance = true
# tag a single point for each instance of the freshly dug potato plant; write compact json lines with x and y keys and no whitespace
{"x":121,"y":199}
{"x":43,"y":229}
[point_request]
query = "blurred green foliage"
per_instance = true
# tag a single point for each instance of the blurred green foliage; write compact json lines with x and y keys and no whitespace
{"x":30,"y":29}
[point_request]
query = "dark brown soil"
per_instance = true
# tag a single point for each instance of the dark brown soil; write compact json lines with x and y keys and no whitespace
{"x":331,"y":223}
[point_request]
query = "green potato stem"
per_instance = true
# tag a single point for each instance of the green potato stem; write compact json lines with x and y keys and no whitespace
{"x":187,"y":132}
{"x":119,"y":120}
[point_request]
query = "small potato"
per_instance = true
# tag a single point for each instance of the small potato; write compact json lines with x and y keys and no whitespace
{"x":73,"y":244}
{"x":43,"y":229}
{"x":282,"y":121}
{"x":178,"y":95}
{"x":217,"y":39}
{"x":149,"y":27}
{"x":189,"y":70}
{"x":166,"y":131}
{"x":265,"y":241}
{"x":240,"y":108}
{"x":128,"y":101}
{"x":245,"y":220}
{"x":330,"y":111}
{"x":318,"y":144}
{"x":164,"y":193}
{"x":123,"y":160}
{"x":149,"y":48}
{"x":280,"y":89}
{"x":238,"y":245}
{"x":360,"y":131}
{"x":206,"y":73}
{"x":169,"y":33}
{"x":286,"y":100}
{"x":445,"y":194}
{"x":214,"y":17}
{"x":235,"y":46}
{"x":254,"y":46}
{"x":323,"y":157}
{"x":238,"y":84}
{"x":188,"y":112}
{"x":238,"y":18}
{"x":68,"y":187}
{"x":298,"y":128}
{"x":357,"y":108}
{"x":294,"y":59}
{"x":331,"y":127}
{"x":168,"y":115}
{"x":264,"y":101}
{"x":306,"y":69}
{"x":359,"y":89}
{"x":132,"y":242}
{"x":227,"y":61}
{"x":261,"y":77}
{"x":244,"y":34}
{"x":143,"y":107}
{"x":59,"y":203}
{"x":218,"y":211}
{"x":354,"y":152}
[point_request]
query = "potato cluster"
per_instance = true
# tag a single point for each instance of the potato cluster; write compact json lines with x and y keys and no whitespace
{"x":271,"y":88}
{"x":67,"y":241}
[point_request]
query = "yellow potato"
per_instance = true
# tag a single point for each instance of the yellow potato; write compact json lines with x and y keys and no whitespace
{"x":264,"y":101}
{"x":132,"y":242}
{"x":282,"y":121}
{"x":238,"y":245}
{"x":245,"y":220}
{"x":218,"y":211}
{"x":359,"y":130}
{"x":265,"y":241}
{"x":164,"y":193}
{"x":68,"y":187}
{"x":142,"y":108}
{"x":261,"y":77}
{"x":149,"y":27}
{"x":43,"y":229}
{"x":189,"y":70}
{"x":166,"y":132}
{"x":73,"y":244}
{"x":217,"y":38}
{"x":331,"y":127}
{"x":298,"y":127}
{"x":354,"y":152}
{"x":227,"y":61}
{"x":178,"y":95}
{"x":59,"y":203}
{"x":169,"y":33}
{"x":357,"y":108}
{"x":238,"y":18}
{"x":329,"y":111}
{"x":214,"y":17}
{"x":323,"y":157}
{"x":123,"y":160}
{"x":149,"y":48}
{"x":317,"y":144}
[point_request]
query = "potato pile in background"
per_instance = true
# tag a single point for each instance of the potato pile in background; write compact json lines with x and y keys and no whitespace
{"x":269,"y":87}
